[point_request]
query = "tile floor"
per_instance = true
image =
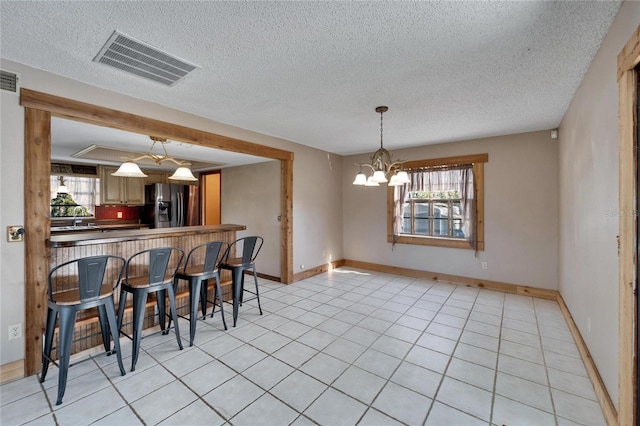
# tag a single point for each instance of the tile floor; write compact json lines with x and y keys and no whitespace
{"x":346,"y":347}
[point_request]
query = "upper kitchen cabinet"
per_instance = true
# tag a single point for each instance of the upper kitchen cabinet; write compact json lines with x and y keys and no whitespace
{"x":154,"y":176}
{"x":119,"y":190}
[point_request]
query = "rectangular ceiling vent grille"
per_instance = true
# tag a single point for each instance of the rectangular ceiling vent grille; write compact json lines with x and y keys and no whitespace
{"x":143,"y":60}
{"x":9,"y":81}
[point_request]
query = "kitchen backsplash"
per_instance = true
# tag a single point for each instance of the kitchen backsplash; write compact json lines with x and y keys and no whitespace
{"x":118,"y":212}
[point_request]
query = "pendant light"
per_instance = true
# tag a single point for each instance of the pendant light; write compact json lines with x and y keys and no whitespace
{"x":130,"y":169}
{"x":382,"y":165}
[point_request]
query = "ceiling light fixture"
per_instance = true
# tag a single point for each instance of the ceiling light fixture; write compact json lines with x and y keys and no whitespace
{"x":130,"y":169}
{"x":382,"y":165}
{"x":62,"y":189}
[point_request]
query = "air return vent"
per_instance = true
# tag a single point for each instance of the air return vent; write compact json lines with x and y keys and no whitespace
{"x":139,"y":58}
{"x":9,"y":81}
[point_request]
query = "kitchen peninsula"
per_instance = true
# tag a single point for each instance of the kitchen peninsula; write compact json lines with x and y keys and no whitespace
{"x":124,"y":243}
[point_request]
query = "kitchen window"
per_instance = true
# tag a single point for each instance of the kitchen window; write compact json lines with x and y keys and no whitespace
{"x":80,"y":200}
{"x":443,"y":205}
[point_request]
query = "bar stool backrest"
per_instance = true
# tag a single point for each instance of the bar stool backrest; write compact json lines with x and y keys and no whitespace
{"x":86,"y":275}
{"x":212,"y":256}
{"x":158,"y":261}
{"x":250,"y":248}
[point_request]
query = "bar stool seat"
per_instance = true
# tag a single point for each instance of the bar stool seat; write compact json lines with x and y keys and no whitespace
{"x":157,"y":278}
{"x":75,"y":286}
{"x":202,"y":264}
{"x":250,"y":247}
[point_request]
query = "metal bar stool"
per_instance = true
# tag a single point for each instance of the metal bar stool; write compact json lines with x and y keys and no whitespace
{"x":237,"y":265}
{"x":201,"y":265}
{"x":75,"y":286}
{"x":158,"y":278}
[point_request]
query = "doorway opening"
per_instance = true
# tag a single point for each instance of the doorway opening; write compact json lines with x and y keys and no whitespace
{"x":210,"y":190}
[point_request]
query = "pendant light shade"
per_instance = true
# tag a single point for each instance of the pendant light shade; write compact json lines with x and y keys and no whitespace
{"x":371,"y":182}
{"x":62,"y":188}
{"x":378,"y":176}
{"x":361,"y":179}
{"x":403,"y":177}
{"x":129,"y":169}
{"x":183,"y":173}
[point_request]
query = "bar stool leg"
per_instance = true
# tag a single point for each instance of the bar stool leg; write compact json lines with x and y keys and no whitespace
{"x":139,"y":304}
{"x":52,"y":316}
{"x":67,"y":323}
{"x":105,"y":328}
{"x":161,"y":301}
{"x":204,"y":289}
{"x":110,"y":312}
{"x":174,"y":314}
{"x":255,"y":279}
{"x":121,"y":305}
{"x":194,"y":298}
{"x":237,"y":292}
{"x":219,"y":296}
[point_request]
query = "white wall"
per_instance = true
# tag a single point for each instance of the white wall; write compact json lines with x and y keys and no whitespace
{"x":521,"y":214}
{"x":313,"y":195}
{"x":589,"y":201}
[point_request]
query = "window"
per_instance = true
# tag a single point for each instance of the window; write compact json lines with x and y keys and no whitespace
{"x":442,"y":206}
{"x":81,"y":199}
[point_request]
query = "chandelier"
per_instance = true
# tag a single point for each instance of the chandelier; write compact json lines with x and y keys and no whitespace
{"x":383,"y":167}
{"x":130,"y":169}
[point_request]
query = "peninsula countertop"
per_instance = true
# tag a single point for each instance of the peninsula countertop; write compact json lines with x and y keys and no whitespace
{"x":100,"y":237}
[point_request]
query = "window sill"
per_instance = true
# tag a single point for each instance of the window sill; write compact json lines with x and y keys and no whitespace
{"x":436,"y":242}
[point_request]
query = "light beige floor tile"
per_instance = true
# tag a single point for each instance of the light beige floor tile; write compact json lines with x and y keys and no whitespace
{"x":195,"y":414}
{"x":324,"y":368}
{"x":466,"y":398}
{"x":441,"y":415}
{"x":298,"y":390}
{"x":509,"y":412}
{"x":335,"y":408}
{"x":402,"y":404}
{"x":233,"y":396}
{"x":374,"y":417}
{"x":25,"y":409}
{"x":163,"y":403}
{"x":524,"y":391}
{"x":359,"y":384}
{"x":265,"y":409}
{"x":267,"y":372}
{"x":471,"y":373}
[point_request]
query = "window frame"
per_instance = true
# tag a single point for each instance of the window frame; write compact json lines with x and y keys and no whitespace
{"x":477,"y":161}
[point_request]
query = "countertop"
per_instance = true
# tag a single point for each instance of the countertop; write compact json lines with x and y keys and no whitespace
{"x":97,"y":236}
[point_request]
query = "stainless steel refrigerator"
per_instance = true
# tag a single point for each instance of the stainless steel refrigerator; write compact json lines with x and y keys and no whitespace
{"x":169,"y":205}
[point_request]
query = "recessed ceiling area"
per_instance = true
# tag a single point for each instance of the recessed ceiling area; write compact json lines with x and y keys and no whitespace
{"x":313,"y":72}
{"x":105,"y":145}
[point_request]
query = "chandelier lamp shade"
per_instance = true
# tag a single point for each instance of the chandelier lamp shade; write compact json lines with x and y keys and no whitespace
{"x":383,"y":168}
{"x":130,"y":169}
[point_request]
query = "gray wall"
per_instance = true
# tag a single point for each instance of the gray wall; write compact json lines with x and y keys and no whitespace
{"x":250,"y":195}
{"x":589,"y":201}
{"x":521,"y":214}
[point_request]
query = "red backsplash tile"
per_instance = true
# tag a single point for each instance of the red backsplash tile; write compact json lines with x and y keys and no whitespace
{"x":111,"y":212}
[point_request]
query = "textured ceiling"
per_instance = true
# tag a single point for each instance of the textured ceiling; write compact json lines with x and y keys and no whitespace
{"x":313,"y":72}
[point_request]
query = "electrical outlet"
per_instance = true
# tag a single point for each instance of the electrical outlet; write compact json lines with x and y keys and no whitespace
{"x":323,"y":254}
{"x":15,"y":331}
{"x":485,"y":265}
{"x":302,"y":266}
{"x":119,"y":215}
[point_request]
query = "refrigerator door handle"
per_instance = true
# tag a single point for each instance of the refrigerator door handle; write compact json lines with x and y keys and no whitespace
{"x":180,"y":209}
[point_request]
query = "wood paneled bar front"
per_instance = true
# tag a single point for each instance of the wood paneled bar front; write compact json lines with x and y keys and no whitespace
{"x":126,"y":243}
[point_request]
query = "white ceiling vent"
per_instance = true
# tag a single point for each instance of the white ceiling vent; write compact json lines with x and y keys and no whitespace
{"x":141,"y":59}
{"x":9,"y":81}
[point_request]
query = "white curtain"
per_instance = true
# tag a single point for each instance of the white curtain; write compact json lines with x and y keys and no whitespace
{"x":437,"y":180}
